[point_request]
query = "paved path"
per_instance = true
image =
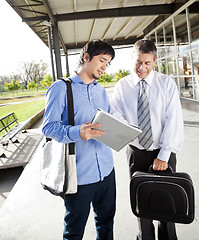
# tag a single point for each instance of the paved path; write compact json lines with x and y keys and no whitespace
{"x":13,"y":103}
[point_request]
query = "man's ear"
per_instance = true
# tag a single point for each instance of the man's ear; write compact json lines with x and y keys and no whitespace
{"x":86,"y":57}
{"x":155,"y":59}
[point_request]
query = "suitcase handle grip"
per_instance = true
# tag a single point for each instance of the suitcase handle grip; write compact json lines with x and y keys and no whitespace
{"x":169,"y":170}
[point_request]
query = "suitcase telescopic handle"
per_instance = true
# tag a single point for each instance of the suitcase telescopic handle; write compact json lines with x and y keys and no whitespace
{"x":169,"y":170}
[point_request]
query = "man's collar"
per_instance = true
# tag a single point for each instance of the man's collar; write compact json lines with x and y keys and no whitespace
{"x":76,"y":79}
{"x":148,"y":79}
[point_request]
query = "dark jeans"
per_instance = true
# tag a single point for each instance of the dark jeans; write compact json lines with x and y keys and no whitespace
{"x":141,"y":160}
{"x":102,"y":195}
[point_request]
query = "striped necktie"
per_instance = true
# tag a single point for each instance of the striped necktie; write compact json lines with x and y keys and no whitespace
{"x":144,"y":119}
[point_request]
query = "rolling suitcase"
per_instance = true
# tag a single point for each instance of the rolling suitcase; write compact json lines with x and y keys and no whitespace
{"x":163,"y":196}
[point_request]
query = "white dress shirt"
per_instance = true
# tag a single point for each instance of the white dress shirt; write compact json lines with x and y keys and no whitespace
{"x":165,"y":110}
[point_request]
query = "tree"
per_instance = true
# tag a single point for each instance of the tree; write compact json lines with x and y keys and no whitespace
{"x":4,"y":79}
{"x":2,"y":89}
{"x":32,"y":71}
{"x":32,"y":85}
{"x":25,"y":72}
{"x":39,"y":70}
{"x":8,"y":79}
{"x":47,"y":81}
{"x":121,"y":73}
{"x":14,"y":85}
{"x":105,"y":78}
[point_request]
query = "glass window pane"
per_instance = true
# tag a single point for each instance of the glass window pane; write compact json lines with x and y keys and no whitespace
{"x":169,"y":33}
{"x":195,"y":56}
{"x":194,"y":23}
{"x":186,"y":87}
{"x":163,"y":66}
{"x":182,"y":59}
{"x":160,"y":45}
{"x":181,"y":29}
{"x":196,"y":87}
{"x":171,"y":66}
{"x":184,"y":63}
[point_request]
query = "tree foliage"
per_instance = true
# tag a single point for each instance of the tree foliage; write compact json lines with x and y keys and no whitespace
{"x":32,"y":85}
{"x":105,"y":78}
{"x":32,"y":71}
{"x":13,"y":85}
{"x":5,"y":78}
{"x":121,"y":73}
{"x":47,"y":81}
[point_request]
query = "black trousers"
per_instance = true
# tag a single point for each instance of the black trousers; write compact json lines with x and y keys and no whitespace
{"x":102,"y":196}
{"x":141,"y":160}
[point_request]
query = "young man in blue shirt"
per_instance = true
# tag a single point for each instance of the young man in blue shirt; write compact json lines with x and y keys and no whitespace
{"x":95,"y":172}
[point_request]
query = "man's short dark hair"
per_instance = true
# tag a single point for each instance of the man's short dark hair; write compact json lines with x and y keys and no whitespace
{"x":146,"y":46}
{"x":96,"y":47}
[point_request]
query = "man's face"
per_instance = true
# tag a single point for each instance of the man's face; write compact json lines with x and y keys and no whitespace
{"x":97,"y":66}
{"x":143,"y":63}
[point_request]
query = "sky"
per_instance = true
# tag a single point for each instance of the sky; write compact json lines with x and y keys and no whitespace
{"x":19,"y":44}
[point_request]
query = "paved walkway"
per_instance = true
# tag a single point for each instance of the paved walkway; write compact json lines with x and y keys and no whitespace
{"x":32,"y":213}
{"x":14,"y":103}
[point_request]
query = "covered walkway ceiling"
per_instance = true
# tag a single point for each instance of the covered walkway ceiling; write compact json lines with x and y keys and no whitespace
{"x":120,"y":22}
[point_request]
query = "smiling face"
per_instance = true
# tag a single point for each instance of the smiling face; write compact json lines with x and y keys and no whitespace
{"x":143,"y":63}
{"x":97,"y":65}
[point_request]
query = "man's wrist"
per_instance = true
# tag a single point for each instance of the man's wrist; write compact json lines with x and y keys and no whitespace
{"x":164,"y":155}
{"x":74,"y":133}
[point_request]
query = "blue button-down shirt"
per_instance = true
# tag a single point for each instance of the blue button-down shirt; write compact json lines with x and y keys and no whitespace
{"x":94,"y":159}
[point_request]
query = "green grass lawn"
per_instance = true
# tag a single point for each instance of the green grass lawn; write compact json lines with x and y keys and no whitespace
{"x":21,"y":99}
{"x":20,"y":93}
{"x":24,"y":110}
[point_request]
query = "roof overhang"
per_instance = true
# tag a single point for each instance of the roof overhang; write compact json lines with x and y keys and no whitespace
{"x":118,"y":22}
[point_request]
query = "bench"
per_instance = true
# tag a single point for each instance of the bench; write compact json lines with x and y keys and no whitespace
{"x":10,"y":124}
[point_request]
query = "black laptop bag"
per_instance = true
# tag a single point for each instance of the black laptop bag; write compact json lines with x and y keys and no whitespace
{"x":163,"y":196}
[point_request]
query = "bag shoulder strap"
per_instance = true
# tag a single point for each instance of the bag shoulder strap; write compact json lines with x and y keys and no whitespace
{"x":71,"y":120}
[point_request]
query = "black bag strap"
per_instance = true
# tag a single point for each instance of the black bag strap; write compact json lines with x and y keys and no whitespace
{"x":71,"y":121}
{"x":70,"y":106}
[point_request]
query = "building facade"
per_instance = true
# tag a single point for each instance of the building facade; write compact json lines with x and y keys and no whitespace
{"x":177,"y":41}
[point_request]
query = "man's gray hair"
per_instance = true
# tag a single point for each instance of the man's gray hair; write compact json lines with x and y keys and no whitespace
{"x":145,"y":46}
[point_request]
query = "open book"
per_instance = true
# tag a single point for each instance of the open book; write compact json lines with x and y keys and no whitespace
{"x":118,"y":133}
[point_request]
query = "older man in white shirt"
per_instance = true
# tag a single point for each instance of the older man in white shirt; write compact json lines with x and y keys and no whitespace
{"x":162,"y":126}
